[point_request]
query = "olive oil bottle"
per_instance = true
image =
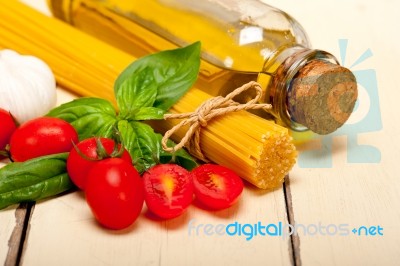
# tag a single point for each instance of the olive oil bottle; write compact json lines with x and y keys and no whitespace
{"x":242,"y":40}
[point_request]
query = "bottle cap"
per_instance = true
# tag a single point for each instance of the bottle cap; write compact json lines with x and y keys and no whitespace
{"x":322,"y":96}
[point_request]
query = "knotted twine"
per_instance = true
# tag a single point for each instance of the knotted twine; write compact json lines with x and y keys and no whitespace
{"x":209,"y":109}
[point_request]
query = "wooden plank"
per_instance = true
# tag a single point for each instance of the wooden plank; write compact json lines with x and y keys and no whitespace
{"x":18,"y":235}
{"x":11,"y":230}
{"x":353,"y":193}
{"x":354,"y":196}
{"x":8,"y":223}
{"x":294,"y":238}
{"x":63,"y":232}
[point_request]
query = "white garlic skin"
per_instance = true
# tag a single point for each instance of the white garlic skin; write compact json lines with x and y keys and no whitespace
{"x":27,"y":86}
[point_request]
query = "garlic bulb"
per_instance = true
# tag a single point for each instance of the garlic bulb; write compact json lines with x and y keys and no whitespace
{"x":27,"y":86}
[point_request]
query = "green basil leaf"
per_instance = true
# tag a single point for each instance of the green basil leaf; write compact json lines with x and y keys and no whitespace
{"x":173,"y":72}
{"x":89,"y":116}
{"x":148,"y":113}
{"x":180,"y":157}
{"x":34,"y":179}
{"x":136,"y":92}
{"x":144,"y":145}
{"x":141,"y":142}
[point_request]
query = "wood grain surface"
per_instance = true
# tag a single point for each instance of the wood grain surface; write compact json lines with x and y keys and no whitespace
{"x":327,"y":194}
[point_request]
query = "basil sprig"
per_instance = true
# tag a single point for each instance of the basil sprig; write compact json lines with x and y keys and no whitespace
{"x":145,"y":90}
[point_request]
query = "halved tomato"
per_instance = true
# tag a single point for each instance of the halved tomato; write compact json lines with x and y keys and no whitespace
{"x":168,"y":190}
{"x":216,"y":186}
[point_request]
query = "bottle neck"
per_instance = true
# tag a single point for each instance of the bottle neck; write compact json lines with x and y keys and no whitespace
{"x":280,"y":70}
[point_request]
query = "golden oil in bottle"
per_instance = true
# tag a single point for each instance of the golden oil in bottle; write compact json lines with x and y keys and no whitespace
{"x":242,"y":40}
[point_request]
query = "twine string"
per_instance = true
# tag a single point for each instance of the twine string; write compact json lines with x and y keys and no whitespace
{"x":208,"y":110}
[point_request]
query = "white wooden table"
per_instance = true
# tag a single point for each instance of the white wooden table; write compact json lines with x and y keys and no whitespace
{"x":331,"y":200}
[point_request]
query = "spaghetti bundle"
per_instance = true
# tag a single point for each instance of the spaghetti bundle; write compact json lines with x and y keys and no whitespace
{"x":259,"y":150}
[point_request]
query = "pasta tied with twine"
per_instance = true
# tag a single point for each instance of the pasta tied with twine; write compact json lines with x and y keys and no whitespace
{"x":209,"y":109}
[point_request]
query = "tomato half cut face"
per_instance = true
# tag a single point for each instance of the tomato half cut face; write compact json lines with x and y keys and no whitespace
{"x":168,"y":190}
{"x":216,"y":186}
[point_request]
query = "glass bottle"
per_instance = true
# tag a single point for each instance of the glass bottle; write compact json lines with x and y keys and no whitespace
{"x":242,"y":40}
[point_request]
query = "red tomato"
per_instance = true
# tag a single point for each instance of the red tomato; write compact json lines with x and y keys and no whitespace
{"x":78,"y":167}
{"x":114,"y":192}
{"x":7,"y":127}
{"x":168,"y":190}
{"x":42,"y":136}
{"x":216,"y":186}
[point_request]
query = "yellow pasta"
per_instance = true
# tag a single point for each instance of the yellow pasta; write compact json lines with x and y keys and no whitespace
{"x":259,"y":150}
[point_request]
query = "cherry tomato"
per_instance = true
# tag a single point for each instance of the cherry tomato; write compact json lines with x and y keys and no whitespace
{"x":42,"y":136}
{"x":168,"y":190}
{"x":7,"y":127}
{"x":216,"y":186}
{"x":114,"y":192}
{"x":78,"y":166}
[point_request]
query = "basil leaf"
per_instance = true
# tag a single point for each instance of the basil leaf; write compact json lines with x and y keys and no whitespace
{"x":173,"y":72}
{"x":144,"y":145}
{"x":136,"y":92}
{"x":141,"y":142}
{"x":89,"y":116}
{"x":34,"y":179}
{"x":180,"y":157}
{"x":148,"y":113}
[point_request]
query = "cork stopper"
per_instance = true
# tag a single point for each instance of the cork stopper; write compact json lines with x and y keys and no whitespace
{"x":322,"y":96}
